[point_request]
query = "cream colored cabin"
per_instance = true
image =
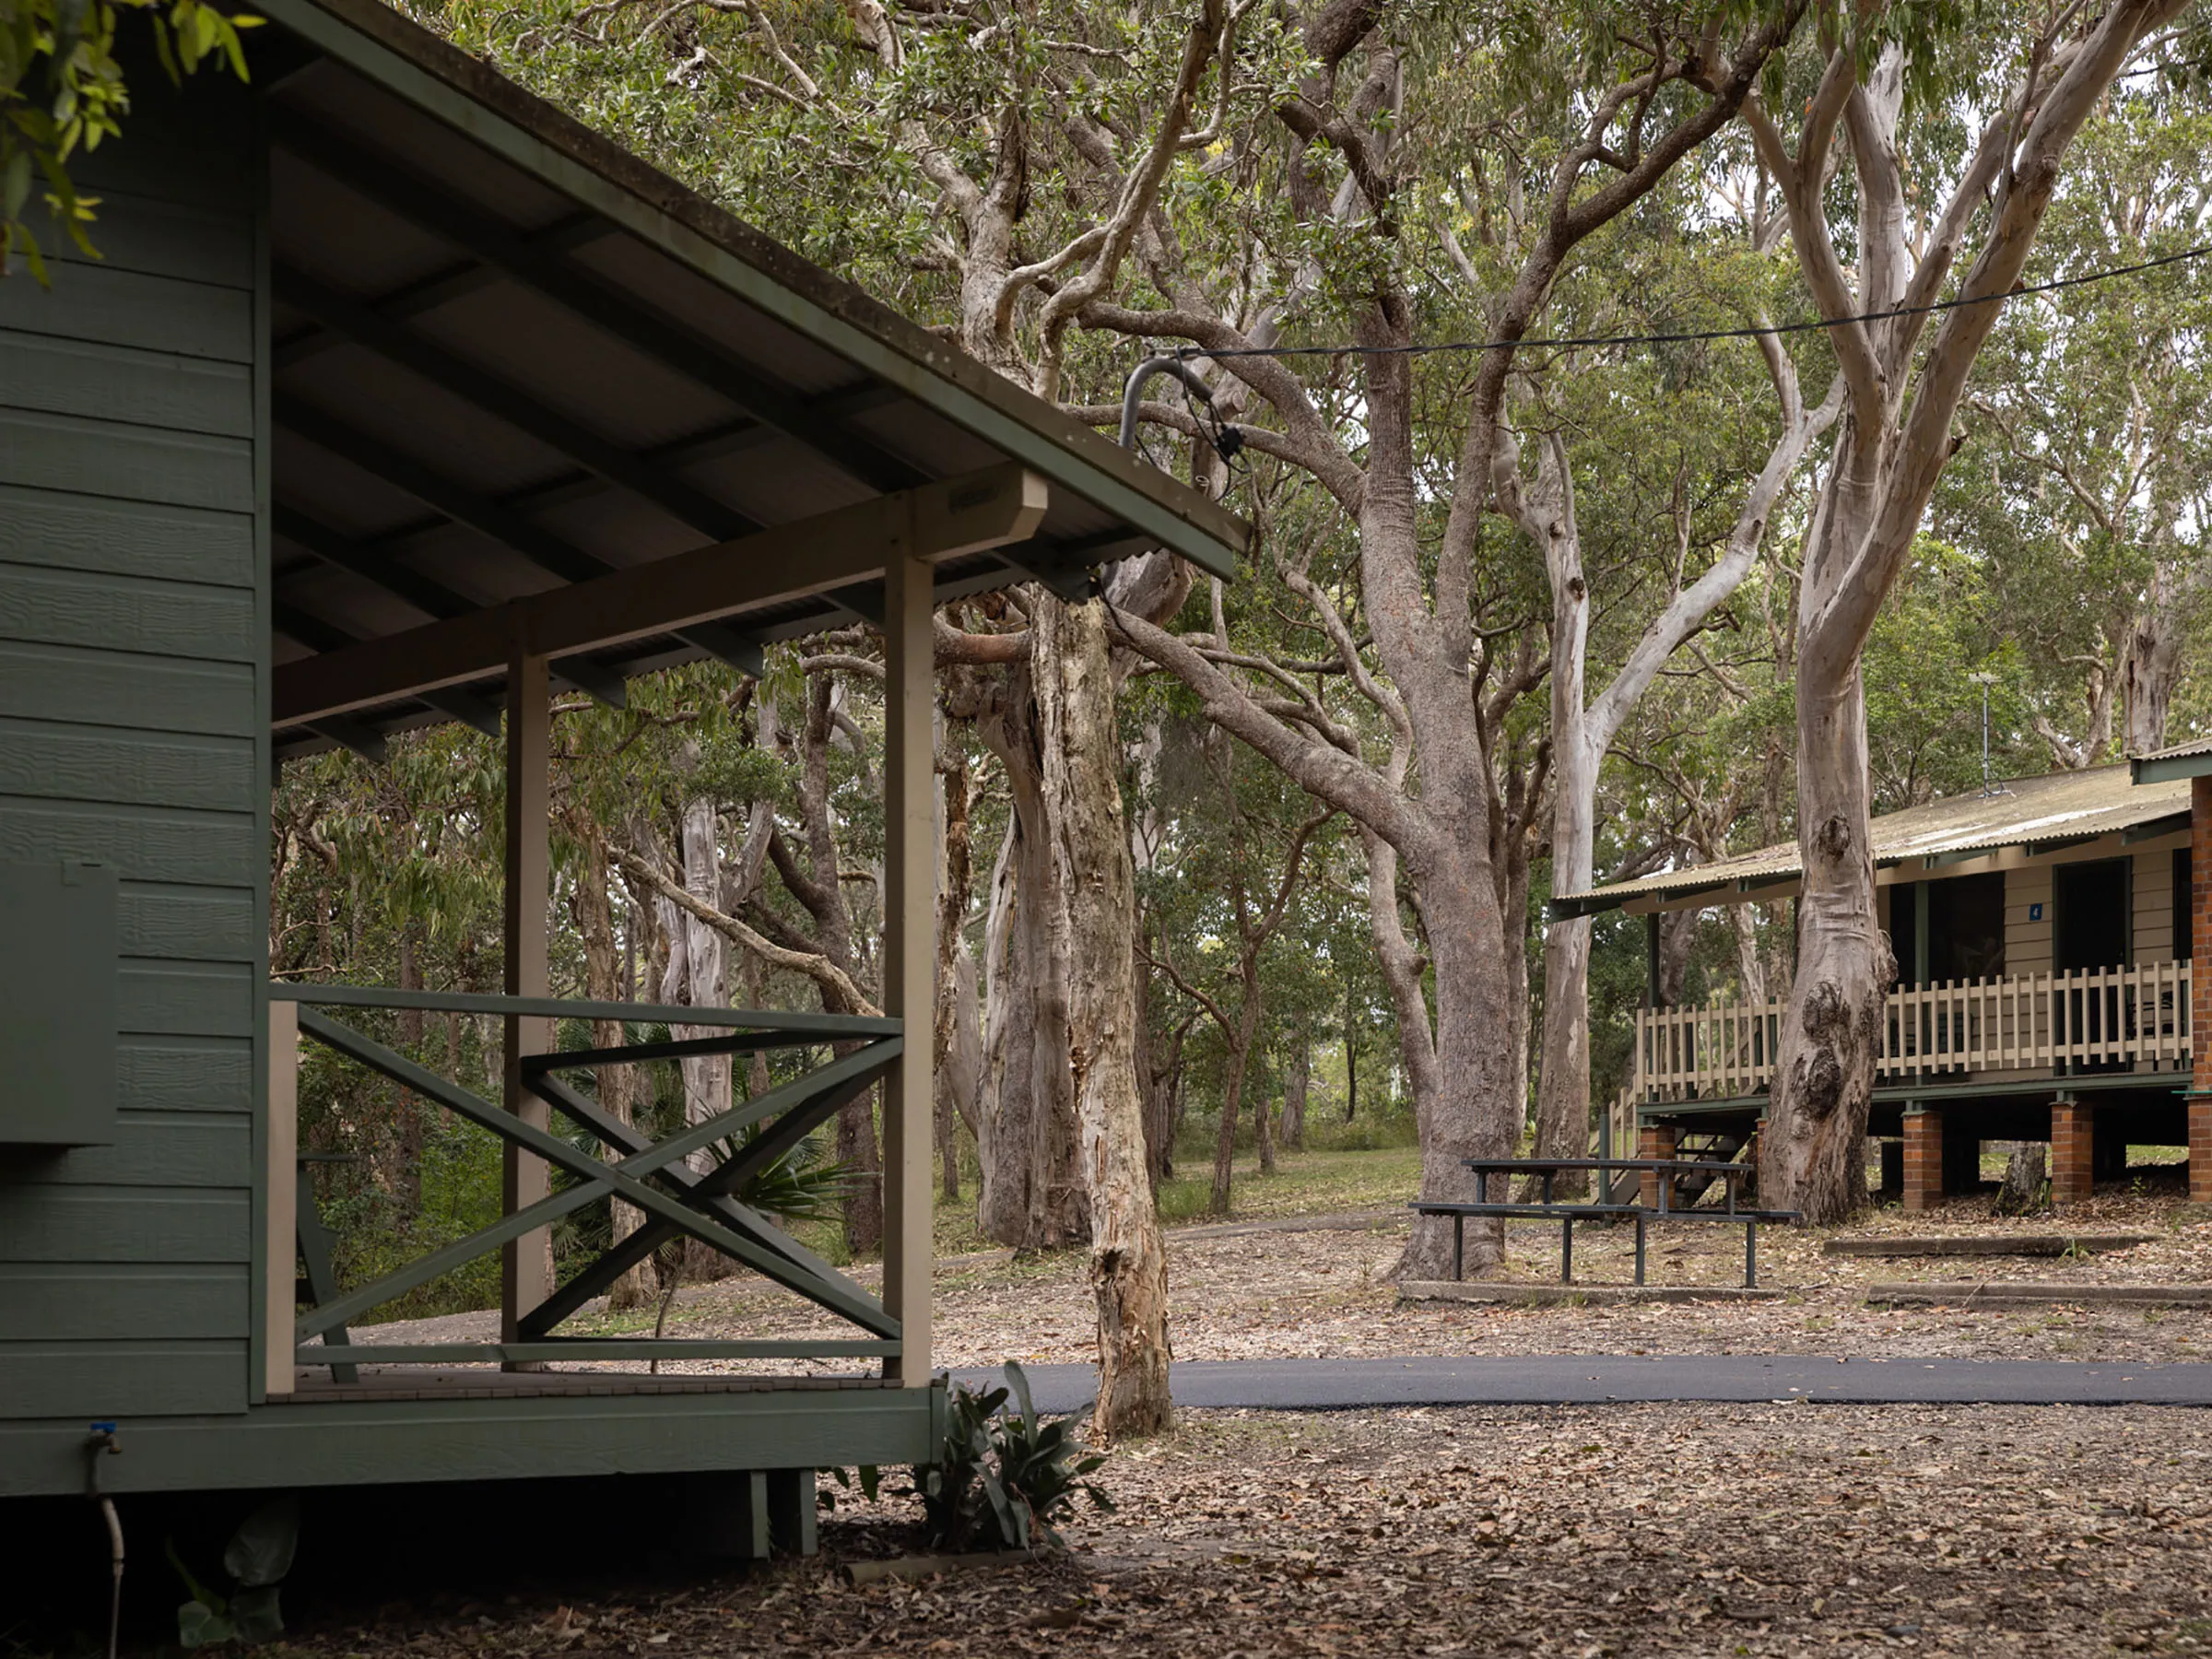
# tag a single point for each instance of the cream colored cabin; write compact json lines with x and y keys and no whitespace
{"x":2043,"y":935}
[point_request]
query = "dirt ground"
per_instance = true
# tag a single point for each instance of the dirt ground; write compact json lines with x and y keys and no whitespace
{"x":1291,"y":1289}
{"x":1797,"y":1530}
{"x":1782,"y":1529}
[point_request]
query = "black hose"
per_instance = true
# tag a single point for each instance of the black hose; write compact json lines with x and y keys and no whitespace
{"x":107,"y":1509}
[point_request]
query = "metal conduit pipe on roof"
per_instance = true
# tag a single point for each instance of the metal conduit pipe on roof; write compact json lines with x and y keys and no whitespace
{"x":1229,"y":440}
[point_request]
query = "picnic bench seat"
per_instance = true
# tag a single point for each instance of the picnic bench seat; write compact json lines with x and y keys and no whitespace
{"x":1545,"y":1208}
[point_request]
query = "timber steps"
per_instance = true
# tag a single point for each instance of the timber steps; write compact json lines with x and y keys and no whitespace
{"x":1988,"y":1244}
{"x":1966,"y":1293}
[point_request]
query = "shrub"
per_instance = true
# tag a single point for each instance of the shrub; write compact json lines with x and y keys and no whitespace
{"x":1004,"y":1479}
{"x":257,"y":1557}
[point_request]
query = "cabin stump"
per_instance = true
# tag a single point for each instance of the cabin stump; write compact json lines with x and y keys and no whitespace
{"x":1653,"y":1141}
{"x":2073,"y":1151}
{"x":1961,"y":1161}
{"x":2108,"y":1147}
{"x":1924,"y":1158}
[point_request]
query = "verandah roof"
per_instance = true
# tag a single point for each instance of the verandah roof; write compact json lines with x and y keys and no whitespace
{"x":2192,"y":759}
{"x":509,"y":357}
{"x":2041,"y":815}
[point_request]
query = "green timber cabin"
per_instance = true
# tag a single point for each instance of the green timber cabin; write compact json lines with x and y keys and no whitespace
{"x":2045,"y":933}
{"x":396,"y":390}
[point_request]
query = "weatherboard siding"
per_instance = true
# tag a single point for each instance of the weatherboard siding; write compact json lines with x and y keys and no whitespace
{"x":2028,"y":933}
{"x":2153,"y":890}
{"x":133,"y":652}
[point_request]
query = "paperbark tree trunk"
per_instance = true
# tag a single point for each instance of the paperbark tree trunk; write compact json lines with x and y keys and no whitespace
{"x":1232,"y":1098}
{"x":1092,"y":930}
{"x":410,"y":1109}
{"x":1004,"y":1105}
{"x":591,"y":904}
{"x":704,"y":985}
{"x":955,"y":1010}
{"x":1160,"y":1072}
{"x":822,"y":892}
{"x":1297,"y":1077}
{"x":2151,"y":666}
{"x":2023,"y":1188}
{"x":1034,"y":1192}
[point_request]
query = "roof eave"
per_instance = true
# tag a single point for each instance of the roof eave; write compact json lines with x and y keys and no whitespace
{"x":2168,"y":768}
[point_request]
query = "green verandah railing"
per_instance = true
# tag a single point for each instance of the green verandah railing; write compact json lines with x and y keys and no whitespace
{"x":653,"y":1176}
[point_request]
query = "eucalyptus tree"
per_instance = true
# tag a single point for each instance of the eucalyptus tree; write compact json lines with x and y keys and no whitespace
{"x":1893,"y":91}
{"x":1245,"y":860}
{"x":1671,"y":456}
{"x":1401,"y":123}
{"x":2086,"y":484}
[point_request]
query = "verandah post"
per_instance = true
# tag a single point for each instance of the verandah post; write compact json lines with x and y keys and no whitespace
{"x":526,"y":1263}
{"x":280,"y":1263}
{"x":909,"y":868}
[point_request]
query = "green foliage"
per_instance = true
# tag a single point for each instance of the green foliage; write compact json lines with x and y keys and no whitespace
{"x":1923,"y":705}
{"x":62,"y":90}
{"x":256,"y":1559}
{"x":1004,"y":1479}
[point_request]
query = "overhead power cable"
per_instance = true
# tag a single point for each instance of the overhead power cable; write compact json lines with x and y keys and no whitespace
{"x":1687,"y":337}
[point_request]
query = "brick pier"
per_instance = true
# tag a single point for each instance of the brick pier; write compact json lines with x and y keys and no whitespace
{"x":2073,"y":1151}
{"x":1654,"y":1140}
{"x":1924,"y":1158}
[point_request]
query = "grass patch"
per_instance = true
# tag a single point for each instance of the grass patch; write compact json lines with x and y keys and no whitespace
{"x":1304,"y":1184}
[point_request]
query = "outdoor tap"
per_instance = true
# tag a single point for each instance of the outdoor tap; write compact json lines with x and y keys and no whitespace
{"x":102,"y":1440}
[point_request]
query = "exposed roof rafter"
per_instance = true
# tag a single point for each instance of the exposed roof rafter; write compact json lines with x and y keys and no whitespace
{"x":833,"y":550}
{"x":400,"y":190}
{"x":519,"y":406}
{"x":495,"y":520}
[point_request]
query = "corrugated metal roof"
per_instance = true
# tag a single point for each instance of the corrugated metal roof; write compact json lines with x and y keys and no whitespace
{"x":2200,"y":746}
{"x":2181,"y":760}
{"x":508,"y":355}
{"x":2035,"y":812}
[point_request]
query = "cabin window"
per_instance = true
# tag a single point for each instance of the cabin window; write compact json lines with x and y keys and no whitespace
{"x":2185,"y":933}
{"x":1966,"y":927}
{"x":2093,"y":922}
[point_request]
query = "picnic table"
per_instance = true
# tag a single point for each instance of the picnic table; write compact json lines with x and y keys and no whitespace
{"x":1546,"y":1207}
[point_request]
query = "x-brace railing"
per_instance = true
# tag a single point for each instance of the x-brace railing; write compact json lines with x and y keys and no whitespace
{"x":654,"y":1176}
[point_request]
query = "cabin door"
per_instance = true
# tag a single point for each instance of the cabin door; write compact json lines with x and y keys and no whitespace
{"x":2092,"y":930}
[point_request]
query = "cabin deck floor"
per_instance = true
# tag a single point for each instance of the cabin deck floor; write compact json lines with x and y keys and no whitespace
{"x":381,"y":1383}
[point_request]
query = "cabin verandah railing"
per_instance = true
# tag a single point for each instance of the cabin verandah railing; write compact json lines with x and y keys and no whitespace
{"x":656,"y":1177}
{"x":2086,"y":1018}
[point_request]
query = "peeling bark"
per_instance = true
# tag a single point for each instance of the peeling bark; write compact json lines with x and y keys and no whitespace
{"x":1091,"y":928}
{"x":591,"y":907}
{"x":1297,"y":1077}
{"x":952,"y":1059}
{"x":1033,"y":1193}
